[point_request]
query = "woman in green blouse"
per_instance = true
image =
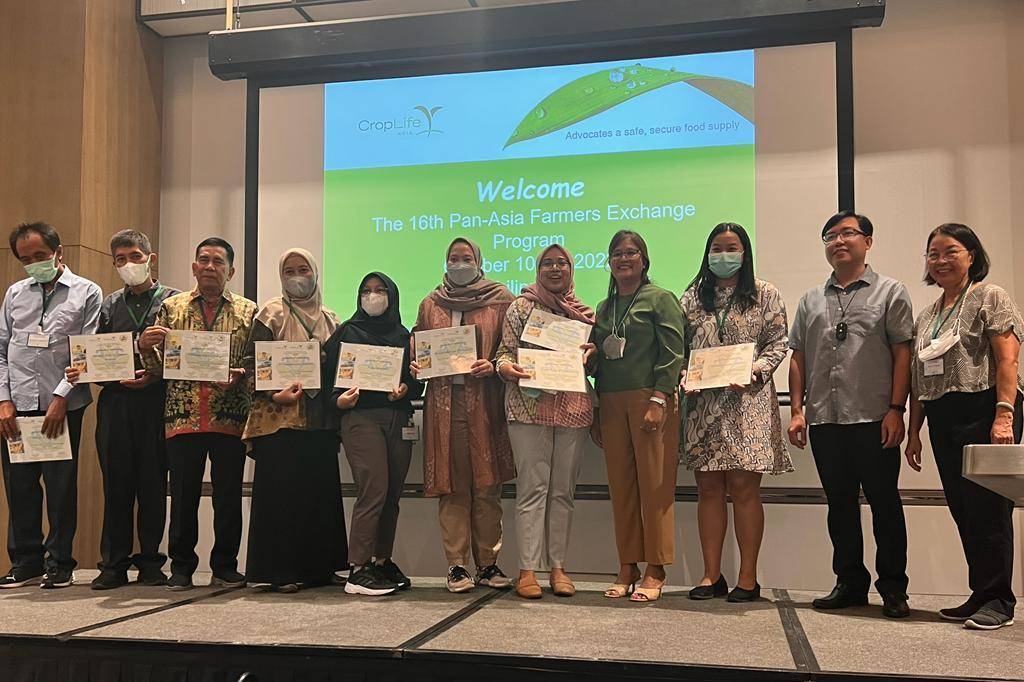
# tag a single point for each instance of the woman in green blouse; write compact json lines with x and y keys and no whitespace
{"x":639,"y":337}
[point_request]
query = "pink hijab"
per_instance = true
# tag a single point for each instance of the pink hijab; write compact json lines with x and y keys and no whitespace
{"x":565,"y":301}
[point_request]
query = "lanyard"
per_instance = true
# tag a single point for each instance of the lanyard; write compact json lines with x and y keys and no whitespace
{"x":202,"y":313}
{"x":621,"y":323}
{"x":141,"y":322}
{"x":720,"y":319}
{"x":309,"y":332}
{"x":939,"y":318}
{"x":46,"y":303}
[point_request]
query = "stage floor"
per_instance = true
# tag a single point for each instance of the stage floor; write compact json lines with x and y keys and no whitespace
{"x":779,"y":637}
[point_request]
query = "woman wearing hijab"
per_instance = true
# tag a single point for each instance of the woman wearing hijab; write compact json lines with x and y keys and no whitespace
{"x":296,"y":522}
{"x":371,"y":431}
{"x":466,"y":451}
{"x":548,"y":430}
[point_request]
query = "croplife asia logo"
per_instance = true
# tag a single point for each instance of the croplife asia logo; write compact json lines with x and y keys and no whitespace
{"x":423,"y":122}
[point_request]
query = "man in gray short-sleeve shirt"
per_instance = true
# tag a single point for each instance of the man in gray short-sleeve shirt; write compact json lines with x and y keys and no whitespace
{"x":849,"y":379}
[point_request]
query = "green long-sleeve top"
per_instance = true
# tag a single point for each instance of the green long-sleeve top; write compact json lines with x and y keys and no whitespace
{"x":654,"y":342}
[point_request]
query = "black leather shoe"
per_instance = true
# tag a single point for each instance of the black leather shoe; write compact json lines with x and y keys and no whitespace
{"x":739,"y":594}
{"x":895,"y":606}
{"x":719,"y":588}
{"x":840,"y":598}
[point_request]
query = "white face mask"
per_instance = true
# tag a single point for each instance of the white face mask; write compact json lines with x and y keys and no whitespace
{"x":375,"y":304}
{"x":134,"y":274}
{"x":462,"y":274}
{"x":940,"y":345}
{"x":299,"y":286}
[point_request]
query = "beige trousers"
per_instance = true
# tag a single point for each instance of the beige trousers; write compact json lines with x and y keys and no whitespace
{"x":470,"y":519}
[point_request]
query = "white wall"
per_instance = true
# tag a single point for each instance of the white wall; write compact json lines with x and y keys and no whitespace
{"x":939,"y":136}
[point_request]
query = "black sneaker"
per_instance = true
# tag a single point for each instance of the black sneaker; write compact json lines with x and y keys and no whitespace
{"x":179,"y":583}
{"x":390,"y":570}
{"x":959,"y":613}
{"x":20,"y":579}
{"x":988,"y":618}
{"x":109,"y":580}
{"x":459,"y":580}
{"x":151,"y":577}
{"x":491,"y":576}
{"x":232,"y":579}
{"x":369,"y":581}
{"x":57,"y":578}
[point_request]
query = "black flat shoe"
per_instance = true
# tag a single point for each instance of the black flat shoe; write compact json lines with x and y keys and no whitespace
{"x":739,"y":594}
{"x":895,"y":606}
{"x":840,"y":598}
{"x":720,"y":588}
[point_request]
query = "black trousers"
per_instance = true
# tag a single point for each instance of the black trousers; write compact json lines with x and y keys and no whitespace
{"x":850,"y":457}
{"x":131,"y":446}
{"x":186,"y":457}
{"x":30,"y":555}
{"x":983,"y":517}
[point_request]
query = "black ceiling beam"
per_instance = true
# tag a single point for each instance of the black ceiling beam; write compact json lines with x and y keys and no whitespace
{"x":500,"y":37}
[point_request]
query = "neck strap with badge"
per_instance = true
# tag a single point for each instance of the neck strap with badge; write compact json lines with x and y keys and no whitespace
{"x":614,"y":345}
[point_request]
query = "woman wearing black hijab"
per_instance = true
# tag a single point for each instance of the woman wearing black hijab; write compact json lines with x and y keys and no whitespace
{"x":371,"y":432}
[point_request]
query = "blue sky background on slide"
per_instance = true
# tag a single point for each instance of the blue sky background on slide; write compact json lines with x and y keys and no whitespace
{"x":376,"y":123}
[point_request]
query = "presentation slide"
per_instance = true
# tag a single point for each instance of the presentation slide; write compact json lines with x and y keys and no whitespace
{"x":518,"y":160}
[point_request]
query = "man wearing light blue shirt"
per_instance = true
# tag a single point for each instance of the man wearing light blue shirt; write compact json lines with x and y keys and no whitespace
{"x":36,"y":318}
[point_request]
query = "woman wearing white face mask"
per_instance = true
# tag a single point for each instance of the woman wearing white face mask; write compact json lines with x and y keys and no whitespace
{"x":965,"y":380}
{"x":466,"y":451}
{"x":733,"y":435}
{"x":296,"y":522}
{"x":371,"y":431}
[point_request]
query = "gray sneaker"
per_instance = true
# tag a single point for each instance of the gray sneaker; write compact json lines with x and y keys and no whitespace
{"x":491,"y":576}
{"x":459,"y":580}
{"x":987,"y":618}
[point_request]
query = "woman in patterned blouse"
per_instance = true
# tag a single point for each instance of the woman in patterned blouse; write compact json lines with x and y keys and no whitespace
{"x":548,"y":430}
{"x":733,"y":435}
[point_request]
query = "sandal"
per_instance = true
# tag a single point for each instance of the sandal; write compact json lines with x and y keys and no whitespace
{"x":620,"y":590}
{"x":646,"y":594}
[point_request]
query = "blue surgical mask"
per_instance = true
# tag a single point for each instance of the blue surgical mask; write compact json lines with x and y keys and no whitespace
{"x":44,"y":271}
{"x":724,"y":265}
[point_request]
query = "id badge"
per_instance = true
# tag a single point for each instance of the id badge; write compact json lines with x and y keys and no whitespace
{"x":135,"y":344}
{"x":614,"y":347}
{"x":934,"y":368}
{"x":411,"y":433}
{"x":39,"y":339}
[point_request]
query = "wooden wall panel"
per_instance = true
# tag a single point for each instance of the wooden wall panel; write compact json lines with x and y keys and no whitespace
{"x":80,"y":145}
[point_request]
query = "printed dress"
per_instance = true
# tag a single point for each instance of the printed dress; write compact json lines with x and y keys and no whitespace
{"x":725,"y":430}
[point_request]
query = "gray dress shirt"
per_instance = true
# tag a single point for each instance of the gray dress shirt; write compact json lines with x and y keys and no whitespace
{"x":850,"y":381}
{"x":29,"y":376}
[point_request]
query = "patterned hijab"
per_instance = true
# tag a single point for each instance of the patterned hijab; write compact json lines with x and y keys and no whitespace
{"x":479,"y":293}
{"x":565,"y":301}
{"x":288,"y":317}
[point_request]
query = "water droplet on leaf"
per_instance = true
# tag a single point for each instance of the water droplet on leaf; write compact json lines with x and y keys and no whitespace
{"x":615,"y":76}
{"x":540,"y":113}
{"x":589,"y":91}
{"x":631,"y":85}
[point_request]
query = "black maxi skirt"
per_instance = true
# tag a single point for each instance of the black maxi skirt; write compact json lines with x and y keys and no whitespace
{"x":296,"y":521}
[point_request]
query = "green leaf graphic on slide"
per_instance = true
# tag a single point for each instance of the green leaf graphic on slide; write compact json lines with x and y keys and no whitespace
{"x":590,"y":95}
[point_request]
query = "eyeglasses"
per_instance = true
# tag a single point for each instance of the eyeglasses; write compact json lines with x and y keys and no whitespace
{"x":628,"y":254}
{"x":548,"y":264}
{"x":948,"y":255}
{"x":847,"y":235}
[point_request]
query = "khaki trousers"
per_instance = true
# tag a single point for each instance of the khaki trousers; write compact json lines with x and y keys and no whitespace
{"x":469,"y":518}
{"x":642,"y":469}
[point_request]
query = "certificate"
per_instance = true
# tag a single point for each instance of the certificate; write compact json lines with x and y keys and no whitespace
{"x":443,"y":352}
{"x":33,"y":446}
{"x":720,"y":366}
{"x":369,"y":368}
{"x":103,"y":357}
{"x":279,"y":364}
{"x":557,"y":333}
{"x":197,"y":356}
{"x":553,"y":370}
